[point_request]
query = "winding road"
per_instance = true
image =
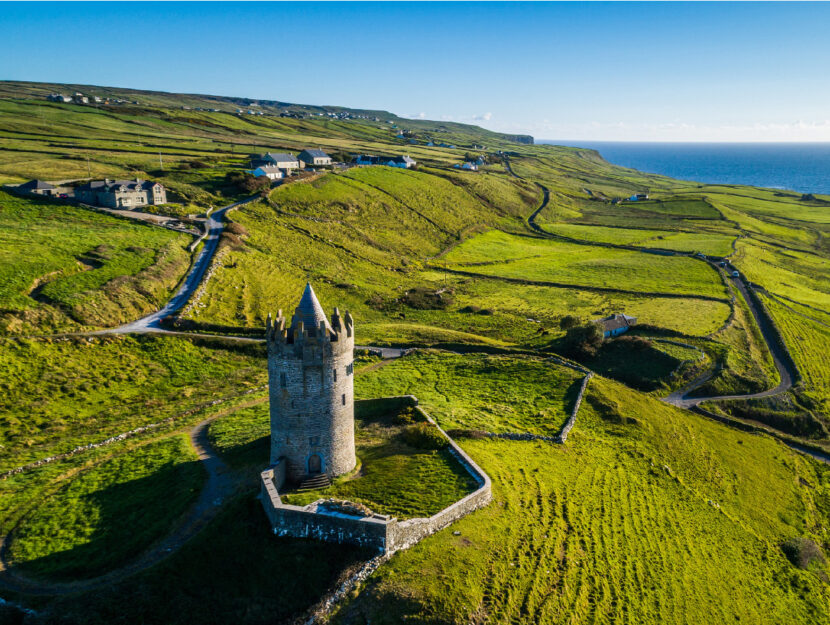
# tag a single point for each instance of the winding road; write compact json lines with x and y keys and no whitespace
{"x":215,"y":225}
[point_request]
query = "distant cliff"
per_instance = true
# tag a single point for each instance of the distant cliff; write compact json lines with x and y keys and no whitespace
{"x":526,"y":139}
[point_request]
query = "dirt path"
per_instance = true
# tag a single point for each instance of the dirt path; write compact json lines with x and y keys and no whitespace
{"x":219,"y":485}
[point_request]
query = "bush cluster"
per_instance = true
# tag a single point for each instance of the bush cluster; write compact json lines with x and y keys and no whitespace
{"x":248,"y":183}
{"x":801,"y":552}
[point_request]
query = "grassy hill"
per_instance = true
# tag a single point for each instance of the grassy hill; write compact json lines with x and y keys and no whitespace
{"x":649,"y":514}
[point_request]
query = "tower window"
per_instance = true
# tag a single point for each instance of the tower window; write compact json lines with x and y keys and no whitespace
{"x":344,"y":398}
{"x":334,"y":371}
{"x":350,"y":368}
{"x":283,"y":380}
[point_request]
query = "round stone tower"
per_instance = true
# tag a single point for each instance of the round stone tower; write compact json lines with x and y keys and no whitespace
{"x":311,"y":380}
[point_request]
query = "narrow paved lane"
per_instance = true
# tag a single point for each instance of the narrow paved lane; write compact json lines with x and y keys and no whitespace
{"x":215,"y":225}
{"x":783,"y":364}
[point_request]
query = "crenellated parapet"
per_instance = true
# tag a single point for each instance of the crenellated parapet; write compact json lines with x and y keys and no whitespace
{"x":327,"y":338}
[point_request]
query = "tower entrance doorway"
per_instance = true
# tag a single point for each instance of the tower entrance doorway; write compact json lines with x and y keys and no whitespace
{"x":314,"y":464}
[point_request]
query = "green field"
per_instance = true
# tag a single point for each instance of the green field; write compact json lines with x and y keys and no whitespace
{"x":63,"y":393}
{"x":710,"y":243}
{"x":809,"y":343}
{"x":107,"y":514}
{"x":63,"y":267}
{"x":499,"y":254}
{"x":647,"y":508}
{"x":476,"y":391}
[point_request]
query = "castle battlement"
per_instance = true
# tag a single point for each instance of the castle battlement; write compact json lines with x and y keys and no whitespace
{"x":311,"y":389}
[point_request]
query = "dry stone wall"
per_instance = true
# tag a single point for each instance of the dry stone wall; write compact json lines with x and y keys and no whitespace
{"x":383,"y":533}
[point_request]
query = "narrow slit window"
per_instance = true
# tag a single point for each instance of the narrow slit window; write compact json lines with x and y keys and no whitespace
{"x":343,"y":398}
{"x":283,"y":380}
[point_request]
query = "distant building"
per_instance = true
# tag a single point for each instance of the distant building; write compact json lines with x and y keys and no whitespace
{"x":616,"y":324}
{"x":36,"y":187}
{"x":272,"y":172}
{"x":637,"y":197}
{"x":58,"y":97}
{"x":314,"y":158}
{"x":404,"y":162}
{"x":128,"y":194}
{"x":468,"y":166}
{"x":286,"y":162}
{"x":80,"y":98}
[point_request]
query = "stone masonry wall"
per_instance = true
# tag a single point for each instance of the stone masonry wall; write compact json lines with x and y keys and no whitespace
{"x":380,"y":532}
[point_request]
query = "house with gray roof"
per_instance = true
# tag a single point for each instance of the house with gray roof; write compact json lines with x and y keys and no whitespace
{"x":36,"y":187}
{"x":314,"y":157}
{"x":272,"y":172}
{"x":286,"y":162}
{"x":128,"y":194}
{"x":616,"y":324}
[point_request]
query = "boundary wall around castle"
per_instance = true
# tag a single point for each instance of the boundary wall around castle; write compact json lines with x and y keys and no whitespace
{"x":383,"y":533}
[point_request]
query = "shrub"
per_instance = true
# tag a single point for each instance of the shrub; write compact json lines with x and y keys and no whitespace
{"x":568,"y":321}
{"x":470,"y":309}
{"x":425,"y":299}
{"x":801,"y":552}
{"x":424,"y":436}
{"x":248,"y":183}
{"x":583,"y":341}
{"x":237,"y":229}
{"x":406,"y":416}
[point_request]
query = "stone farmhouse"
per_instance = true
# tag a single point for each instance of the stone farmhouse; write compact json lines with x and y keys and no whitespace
{"x":127,"y":194}
{"x":314,"y":158}
{"x":404,"y":162}
{"x":616,"y":324}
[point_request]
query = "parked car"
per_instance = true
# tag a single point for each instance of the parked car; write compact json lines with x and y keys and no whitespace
{"x":735,"y":274}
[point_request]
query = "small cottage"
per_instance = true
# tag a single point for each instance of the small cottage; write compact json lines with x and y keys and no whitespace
{"x":616,"y":324}
{"x":314,"y":158}
{"x":272,"y":172}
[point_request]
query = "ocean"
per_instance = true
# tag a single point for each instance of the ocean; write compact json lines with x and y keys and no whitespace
{"x":802,"y":167}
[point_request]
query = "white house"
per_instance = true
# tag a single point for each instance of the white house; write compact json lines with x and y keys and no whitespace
{"x":314,"y":158}
{"x":285,"y":162}
{"x":272,"y":172}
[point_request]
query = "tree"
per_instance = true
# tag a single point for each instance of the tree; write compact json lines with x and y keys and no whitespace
{"x":583,"y":341}
{"x":568,"y":321}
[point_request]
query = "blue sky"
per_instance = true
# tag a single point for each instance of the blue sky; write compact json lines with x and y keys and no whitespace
{"x":595,"y":71}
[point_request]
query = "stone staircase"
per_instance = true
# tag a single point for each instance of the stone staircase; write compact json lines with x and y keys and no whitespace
{"x":314,"y":483}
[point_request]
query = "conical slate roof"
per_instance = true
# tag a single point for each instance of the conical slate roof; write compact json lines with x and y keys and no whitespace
{"x":309,"y":311}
